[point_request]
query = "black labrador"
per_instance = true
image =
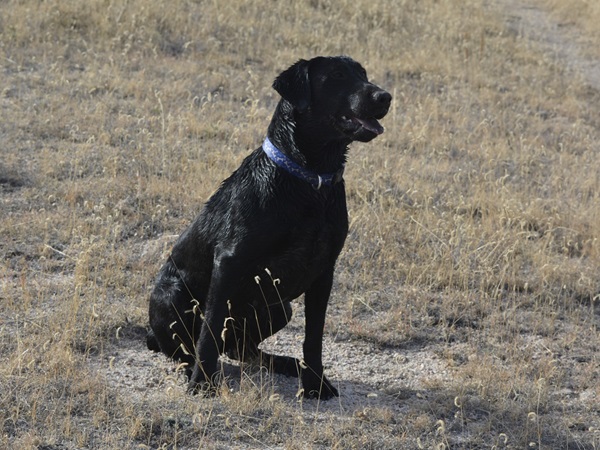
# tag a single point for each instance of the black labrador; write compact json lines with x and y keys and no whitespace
{"x":272,"y":232}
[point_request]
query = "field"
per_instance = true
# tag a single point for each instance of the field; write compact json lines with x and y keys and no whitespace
{"x":466,"y":306}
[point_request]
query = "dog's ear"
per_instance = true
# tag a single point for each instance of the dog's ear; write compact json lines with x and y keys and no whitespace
{"x":293,"y":85}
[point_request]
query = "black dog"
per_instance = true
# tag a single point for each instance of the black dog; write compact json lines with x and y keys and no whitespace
{"x":272,"y":232}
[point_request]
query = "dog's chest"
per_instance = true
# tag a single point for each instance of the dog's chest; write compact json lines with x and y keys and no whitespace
{"x":305,"y":249}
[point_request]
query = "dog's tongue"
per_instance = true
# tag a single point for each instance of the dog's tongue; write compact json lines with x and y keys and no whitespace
{"x":371,"y":125}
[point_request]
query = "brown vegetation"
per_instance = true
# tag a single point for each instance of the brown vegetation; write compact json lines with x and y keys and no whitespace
{"x":475,"y":221}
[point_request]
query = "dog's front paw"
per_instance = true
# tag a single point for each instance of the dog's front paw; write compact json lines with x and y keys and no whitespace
{"x":317,"y":386}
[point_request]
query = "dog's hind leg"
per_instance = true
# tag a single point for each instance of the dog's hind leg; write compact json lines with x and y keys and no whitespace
{"x":176,"y":341}
{"x":278,"y":316}
{"x":244,"y":336}
{"x":284,"y":365}
{"x":174,"y":321}
{"x":272,"y":319}
{"x":254,"y":326}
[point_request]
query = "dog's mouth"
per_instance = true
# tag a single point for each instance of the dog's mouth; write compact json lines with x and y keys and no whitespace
{"x":354,"y":124}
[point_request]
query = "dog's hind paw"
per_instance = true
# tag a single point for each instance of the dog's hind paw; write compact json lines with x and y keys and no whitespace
{"x":152,"y":342}
{"x":203,"y":388}
{"x":319,"y":388}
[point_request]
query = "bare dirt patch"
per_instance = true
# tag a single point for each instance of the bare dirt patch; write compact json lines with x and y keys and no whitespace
{"x":560,"y":40}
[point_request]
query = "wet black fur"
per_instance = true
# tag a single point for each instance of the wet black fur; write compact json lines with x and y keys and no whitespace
{"x":265,"y":218}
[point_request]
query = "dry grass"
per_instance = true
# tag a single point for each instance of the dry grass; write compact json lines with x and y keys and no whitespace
{"x":582,"y":14}
{"x":474,"y":234}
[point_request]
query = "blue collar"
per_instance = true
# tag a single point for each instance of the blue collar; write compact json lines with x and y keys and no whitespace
{"x":286,"y":163}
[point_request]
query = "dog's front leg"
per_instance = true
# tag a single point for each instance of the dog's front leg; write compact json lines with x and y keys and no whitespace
{"x":210,"y":342}
{"x":313,"y":381}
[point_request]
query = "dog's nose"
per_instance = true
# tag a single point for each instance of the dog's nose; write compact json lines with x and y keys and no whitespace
{"x":382,"y":97}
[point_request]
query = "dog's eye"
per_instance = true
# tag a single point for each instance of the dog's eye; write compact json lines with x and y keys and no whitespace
{"x":363,"y":72}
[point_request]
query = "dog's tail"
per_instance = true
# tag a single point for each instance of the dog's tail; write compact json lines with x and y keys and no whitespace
{"x":152,"y":342}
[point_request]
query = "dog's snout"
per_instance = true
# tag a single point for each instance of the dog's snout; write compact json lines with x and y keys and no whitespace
{"x":382,"y":97}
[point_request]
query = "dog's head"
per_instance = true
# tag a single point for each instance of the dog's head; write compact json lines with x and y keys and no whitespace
{"x":335,"y":93}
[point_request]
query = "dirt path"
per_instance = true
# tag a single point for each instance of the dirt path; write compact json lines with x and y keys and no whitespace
{"x":561,"y":42}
